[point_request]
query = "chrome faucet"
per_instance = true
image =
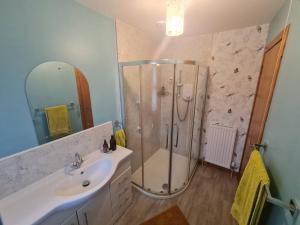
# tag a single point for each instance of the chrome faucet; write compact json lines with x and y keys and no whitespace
{"x":78,"y":161}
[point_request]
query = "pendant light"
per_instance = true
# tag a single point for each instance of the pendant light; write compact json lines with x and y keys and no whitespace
{"x":175,"y":17}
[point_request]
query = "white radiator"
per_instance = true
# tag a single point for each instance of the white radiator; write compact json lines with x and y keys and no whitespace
{"x":220,"y":145}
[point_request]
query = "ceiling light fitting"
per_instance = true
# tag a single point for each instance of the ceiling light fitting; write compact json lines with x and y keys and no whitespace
{"x":175,"y":17}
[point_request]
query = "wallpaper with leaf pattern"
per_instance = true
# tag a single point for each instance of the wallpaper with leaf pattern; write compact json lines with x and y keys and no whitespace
{"x":234,"y":70}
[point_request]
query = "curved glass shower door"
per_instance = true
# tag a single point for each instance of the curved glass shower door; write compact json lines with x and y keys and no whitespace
{"x":162,"y":115}
{"x":156,"y":108}
{"x":184,"y":102}
{"x":131,"y":105}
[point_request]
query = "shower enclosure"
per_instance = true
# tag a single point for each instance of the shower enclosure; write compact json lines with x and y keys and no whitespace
{"x":162,"y":106}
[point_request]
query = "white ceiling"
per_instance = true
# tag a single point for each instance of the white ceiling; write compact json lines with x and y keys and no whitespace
{"x":201,"y":16}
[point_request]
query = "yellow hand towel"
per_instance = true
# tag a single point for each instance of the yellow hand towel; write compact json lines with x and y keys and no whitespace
{"x":58,"y":121}
{"x":120,"y":138}
{"x":250,"y":195}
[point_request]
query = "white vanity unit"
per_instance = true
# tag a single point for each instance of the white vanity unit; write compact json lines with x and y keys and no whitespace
{"x":97,"y":193}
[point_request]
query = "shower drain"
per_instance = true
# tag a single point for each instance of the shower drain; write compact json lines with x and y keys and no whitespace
{"x":165,"y":186}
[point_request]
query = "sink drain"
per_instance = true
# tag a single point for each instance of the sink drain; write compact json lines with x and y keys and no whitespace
{"x":85,"y":183}
{"x":165,"y":186}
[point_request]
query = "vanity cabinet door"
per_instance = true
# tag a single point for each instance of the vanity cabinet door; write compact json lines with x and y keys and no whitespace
{"x":71,"y":221}
{"x":62,"y":217}
{"x":96,"y":211}
{"x":121,"y":193}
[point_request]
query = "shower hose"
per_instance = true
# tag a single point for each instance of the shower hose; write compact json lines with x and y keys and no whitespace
{"x":186,"y":110}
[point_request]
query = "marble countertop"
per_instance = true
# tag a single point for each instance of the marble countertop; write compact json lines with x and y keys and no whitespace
{"x":36,"y":201}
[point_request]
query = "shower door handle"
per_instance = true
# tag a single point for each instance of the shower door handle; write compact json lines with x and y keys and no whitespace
{"x":177,"y":134}
{"x":139,"y":129}
{"x":167,"y":137}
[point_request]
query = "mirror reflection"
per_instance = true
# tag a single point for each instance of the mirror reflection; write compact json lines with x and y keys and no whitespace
{"x":59,"y":100}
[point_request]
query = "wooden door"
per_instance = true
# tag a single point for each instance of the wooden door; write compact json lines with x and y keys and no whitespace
{"x":84,"y":100}
{"x":264,"y":92}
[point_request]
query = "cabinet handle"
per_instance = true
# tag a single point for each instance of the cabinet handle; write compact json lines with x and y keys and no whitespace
{"x":86,"y":218}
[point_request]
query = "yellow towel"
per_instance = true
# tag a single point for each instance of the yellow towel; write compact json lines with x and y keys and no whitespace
{"x":120,"y":138}
{"x":58,"y":121}
{"x":250,"y":196}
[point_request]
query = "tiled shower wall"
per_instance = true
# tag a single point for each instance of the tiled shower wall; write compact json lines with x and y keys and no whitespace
{"x":134,"y":44}
{"x":234,"y":58}
{"x":185,"y":127}
{"x":148,"y":104}
{"x":193,"y":48}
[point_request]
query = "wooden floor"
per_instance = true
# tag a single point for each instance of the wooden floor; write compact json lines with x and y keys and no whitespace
{"x":207,"y":201}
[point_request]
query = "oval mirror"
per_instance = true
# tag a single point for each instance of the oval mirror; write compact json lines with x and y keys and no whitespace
{"x":59,"y":100}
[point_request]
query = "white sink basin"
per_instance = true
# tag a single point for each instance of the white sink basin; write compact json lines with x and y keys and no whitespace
{"x":85,"y":178}
{"x":61,"y":189}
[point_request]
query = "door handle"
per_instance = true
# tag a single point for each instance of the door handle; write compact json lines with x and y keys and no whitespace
{"x":167,"y":138}
{"x":177,"y":134}
{"x":139,"y":129}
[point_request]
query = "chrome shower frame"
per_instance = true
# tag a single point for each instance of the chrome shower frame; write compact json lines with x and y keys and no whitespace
{"x":173,"y":62}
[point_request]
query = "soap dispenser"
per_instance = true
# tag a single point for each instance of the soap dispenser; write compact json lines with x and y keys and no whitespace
{"x":113,"y":143}
{"x":105,"y":146}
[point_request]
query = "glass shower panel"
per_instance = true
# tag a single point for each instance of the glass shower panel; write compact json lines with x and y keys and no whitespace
{"x":156,"y":125}
{"x":197,"y":120}
{"x":184,"y":105}
{"x":131,"y":102}
{"x":162,"y":111}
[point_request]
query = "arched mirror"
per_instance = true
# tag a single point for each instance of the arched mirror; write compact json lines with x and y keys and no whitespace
{"x":59,"y":100}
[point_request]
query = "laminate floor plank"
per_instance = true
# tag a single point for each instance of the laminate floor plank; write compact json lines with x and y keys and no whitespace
{"x":207,"y":201}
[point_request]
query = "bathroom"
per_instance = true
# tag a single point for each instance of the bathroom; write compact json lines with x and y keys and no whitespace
{"x":150,"y":112}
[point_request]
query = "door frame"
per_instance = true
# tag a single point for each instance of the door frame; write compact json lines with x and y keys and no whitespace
{"x":87,"y":121}
{"x":282,"y":36}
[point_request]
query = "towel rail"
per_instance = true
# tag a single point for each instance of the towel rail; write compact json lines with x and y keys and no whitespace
{"x":259,"y":146}
{"x":292,"y":206}
{"x":37,"y":111}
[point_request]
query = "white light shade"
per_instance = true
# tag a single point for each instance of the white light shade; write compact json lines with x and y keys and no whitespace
{"x":175,"y":17}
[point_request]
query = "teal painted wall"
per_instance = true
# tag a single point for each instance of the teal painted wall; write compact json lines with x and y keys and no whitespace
{"x":36,"y":31}
{"x":282,"y":132}
{"x":52,"y":84}
{"x":279,"y":21}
